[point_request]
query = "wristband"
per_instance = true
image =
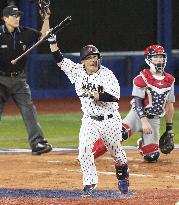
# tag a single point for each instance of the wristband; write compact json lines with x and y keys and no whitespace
{"x":58,"y":56}
{"x":169,"y":126}
{"x":52,"y":39}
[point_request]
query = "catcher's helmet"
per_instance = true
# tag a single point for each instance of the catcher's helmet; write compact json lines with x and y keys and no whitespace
{"x":155,"y":50}
{"x":88,"y":50}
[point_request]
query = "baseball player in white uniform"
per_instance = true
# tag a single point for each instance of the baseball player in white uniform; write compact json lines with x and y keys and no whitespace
{"x":98,"y":91}
{"x":153,"y":98}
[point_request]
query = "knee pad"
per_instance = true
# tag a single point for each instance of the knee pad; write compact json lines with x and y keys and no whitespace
{"x":150,"y":152}
{"x":126,"y":131}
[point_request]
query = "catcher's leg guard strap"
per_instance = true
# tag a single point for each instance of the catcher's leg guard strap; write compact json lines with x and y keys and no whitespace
{"x":126,"y":131}
{"x":122,"y":171}
{"x":99,"y":148}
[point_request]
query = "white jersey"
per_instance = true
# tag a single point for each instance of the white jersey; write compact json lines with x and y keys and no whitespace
{"x":102,"y":81}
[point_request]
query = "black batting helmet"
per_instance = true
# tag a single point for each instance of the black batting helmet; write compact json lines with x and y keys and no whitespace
{"x":88,"y":50}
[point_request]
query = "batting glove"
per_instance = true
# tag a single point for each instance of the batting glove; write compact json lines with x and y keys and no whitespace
{"x":52,"y":39}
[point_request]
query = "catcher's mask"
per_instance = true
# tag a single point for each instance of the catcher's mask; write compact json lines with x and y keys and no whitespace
{"x":155,"y":50}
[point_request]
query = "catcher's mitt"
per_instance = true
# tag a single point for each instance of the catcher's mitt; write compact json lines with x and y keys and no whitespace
{"x":166,"y":142}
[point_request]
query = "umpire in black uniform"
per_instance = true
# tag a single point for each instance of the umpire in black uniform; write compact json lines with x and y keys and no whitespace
{"x":14,"y":40}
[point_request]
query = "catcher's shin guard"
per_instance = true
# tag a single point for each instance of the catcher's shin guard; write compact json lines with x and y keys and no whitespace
{"x":153,"y":157}
{"x":99,"y":148}
{"x":150,"y":152}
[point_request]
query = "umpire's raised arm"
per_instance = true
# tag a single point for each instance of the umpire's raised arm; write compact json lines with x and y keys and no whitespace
{"x":45,"y":25}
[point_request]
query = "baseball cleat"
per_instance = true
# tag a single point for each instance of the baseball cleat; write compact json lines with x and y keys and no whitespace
{"x":41,"y":148}
{"x":123,"y":186}
{"x":87,"y":191}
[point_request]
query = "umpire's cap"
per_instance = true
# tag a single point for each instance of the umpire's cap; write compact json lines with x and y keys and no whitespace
{"x":88,"y":50}
{"x":11,"y":10}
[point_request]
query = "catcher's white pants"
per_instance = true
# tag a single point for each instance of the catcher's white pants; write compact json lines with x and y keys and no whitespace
{"x":91,"y":130}
{"x":134,"y":122}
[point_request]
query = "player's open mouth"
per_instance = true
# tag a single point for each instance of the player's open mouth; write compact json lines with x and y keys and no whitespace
{"x":93,"y":64}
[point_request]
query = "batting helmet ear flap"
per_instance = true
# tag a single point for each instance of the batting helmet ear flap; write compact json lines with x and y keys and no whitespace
{"x":101,"y":59}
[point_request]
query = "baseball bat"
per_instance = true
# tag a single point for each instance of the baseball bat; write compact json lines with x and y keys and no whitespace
{"x":54,"y":30}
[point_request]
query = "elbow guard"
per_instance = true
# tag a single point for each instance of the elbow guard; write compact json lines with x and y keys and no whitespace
{"x":106,"y":97}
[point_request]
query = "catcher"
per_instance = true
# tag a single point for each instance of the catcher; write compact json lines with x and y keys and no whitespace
{"x":153,"y":98}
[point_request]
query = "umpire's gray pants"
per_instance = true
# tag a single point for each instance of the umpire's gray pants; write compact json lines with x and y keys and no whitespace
{"x":18,"y":89}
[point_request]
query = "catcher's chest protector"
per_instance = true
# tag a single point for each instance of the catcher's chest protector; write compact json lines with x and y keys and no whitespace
{"x":157,"y":92}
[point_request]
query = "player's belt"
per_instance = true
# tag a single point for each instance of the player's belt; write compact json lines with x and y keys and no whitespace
{"x":11,"y":74}
{"x":101,"y":117}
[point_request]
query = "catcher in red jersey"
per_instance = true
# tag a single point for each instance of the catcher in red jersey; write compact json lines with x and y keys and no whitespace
{"x":153,"y":98}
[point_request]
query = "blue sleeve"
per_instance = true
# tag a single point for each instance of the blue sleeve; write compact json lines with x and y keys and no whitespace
{"x":139,"y":108}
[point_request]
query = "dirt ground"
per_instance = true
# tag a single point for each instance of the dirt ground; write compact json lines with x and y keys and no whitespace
{"x":150,"y":183}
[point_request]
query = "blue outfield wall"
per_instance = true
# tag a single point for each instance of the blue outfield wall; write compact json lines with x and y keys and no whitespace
{"x":48,"y":81}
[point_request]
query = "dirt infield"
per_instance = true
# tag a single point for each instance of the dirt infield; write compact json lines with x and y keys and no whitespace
{"x":150,"y":183}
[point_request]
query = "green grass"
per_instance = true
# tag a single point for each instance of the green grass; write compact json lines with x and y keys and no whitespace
{"x":61,"y":130}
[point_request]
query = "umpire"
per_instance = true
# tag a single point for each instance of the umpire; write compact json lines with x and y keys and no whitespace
{"x":14,"y":40}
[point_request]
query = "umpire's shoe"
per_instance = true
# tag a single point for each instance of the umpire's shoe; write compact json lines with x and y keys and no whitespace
{"x":41,"y":148}
{"x":87,"y":191}
{"x":123,"y":185}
